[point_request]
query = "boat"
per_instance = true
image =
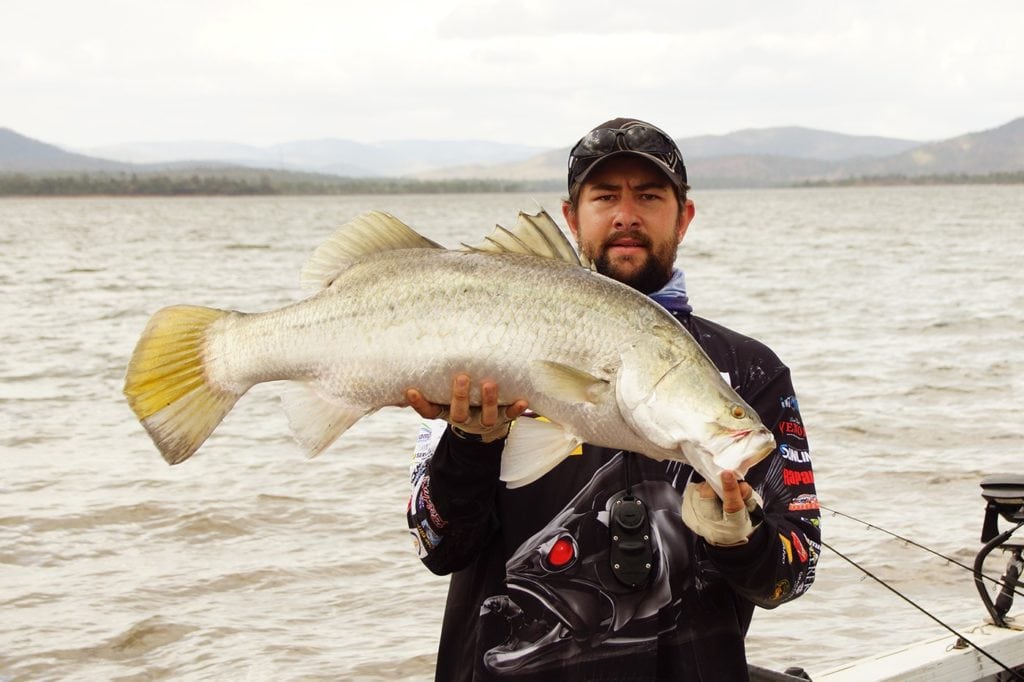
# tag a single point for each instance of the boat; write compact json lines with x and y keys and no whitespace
{"x":991,"y":651}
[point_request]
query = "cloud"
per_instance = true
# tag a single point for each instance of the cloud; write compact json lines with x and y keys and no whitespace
{"x":527,"y":71}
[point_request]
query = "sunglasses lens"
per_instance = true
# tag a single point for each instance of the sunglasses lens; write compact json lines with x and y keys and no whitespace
{"x":596,"y":142}
{"x":644,"y":139}
{"x":636,"y":138}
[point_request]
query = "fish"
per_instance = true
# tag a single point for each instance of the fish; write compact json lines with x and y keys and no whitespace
{"x":393,"y":310}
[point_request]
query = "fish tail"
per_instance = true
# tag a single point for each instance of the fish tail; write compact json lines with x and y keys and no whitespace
{"x":167,"y":386}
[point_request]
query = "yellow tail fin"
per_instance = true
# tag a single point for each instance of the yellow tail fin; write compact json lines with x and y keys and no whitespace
{"x":166,"y":384}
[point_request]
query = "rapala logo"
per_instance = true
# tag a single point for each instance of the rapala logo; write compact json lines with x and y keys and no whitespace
{"x":790,"y":477}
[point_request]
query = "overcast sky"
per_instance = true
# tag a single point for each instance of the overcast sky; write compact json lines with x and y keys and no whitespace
{"x":537,"y":72}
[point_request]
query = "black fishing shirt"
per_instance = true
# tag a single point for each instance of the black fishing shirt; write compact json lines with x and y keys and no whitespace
{"x":532,"y":593}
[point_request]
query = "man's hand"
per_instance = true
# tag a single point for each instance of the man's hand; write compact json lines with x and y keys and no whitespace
{"x":724,"y":522}
{"x":484,"y":421}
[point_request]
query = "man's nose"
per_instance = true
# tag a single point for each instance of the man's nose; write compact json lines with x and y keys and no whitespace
{"x":626,"y":215}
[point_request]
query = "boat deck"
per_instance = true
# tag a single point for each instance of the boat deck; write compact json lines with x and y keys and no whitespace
{"x":939,"y":659}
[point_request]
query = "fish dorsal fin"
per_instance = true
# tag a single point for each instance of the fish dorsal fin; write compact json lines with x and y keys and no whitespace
{"x":534,"y":235}
{"x":369,"y":233}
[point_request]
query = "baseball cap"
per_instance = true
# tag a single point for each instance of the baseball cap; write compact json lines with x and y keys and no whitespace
{"x":621,"y":136}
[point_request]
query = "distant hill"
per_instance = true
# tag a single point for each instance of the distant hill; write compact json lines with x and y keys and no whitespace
{"x":24,"y":154}
{"x":547,"y":165}
{"x":756,"y":156}
{"x":788,"y":156}
{"x":754,"y":170}
{"x":794,"y":142}
{"x":747,"y":158}
{"x":333,"y":156}
{"x":989,"y":151}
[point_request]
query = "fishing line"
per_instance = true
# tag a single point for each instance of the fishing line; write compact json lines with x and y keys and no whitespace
{"x":907,"y":599}
{"x":997,"y":581}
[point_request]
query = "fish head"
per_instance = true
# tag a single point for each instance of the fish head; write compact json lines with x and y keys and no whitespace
{"x":733,"y":438}
{"x":561,"y":593}
{"x":673,"y":396}
{"x":563,"y":598}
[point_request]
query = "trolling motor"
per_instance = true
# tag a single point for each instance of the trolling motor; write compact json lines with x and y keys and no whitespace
{"x":1004,"y":494}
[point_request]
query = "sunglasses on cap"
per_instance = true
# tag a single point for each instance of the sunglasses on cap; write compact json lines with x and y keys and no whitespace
{"x":638,"y":137}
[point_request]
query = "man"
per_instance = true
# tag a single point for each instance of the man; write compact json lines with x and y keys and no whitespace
{"x":614,"y":566}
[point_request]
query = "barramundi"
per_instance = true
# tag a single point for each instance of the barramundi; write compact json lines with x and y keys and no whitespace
{"x":601,"y":362}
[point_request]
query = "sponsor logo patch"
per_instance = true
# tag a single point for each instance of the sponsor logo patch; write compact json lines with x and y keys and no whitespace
{"x":792,"y":428}
{"x":804,"y":502}
{"x":794,"y":455}
{"x":791,"y":477}
{"x":781,"y":591}
{"x":787,"y":547}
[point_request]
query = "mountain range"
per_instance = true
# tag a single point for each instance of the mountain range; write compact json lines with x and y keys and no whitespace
{"x":753,"y":157}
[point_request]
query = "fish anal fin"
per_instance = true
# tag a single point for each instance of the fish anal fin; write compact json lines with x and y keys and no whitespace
{"x":533,"y":448}
{"x":534,"y":235}
{"x":315,"y":421}
{"x":366,"y":234}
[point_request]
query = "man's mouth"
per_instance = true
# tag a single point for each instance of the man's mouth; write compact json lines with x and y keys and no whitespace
{"x":626,"y":246}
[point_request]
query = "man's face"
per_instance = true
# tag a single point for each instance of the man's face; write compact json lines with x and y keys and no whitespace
{"x":628,"y":222}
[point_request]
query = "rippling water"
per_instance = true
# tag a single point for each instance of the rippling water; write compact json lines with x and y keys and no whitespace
{"x":900,"y":310}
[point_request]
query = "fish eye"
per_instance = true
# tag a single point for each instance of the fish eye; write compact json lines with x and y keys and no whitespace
{"x":738,"y":412}
{"x":561,"y":554}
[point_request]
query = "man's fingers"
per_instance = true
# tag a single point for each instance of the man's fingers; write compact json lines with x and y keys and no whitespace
{"x":460,"y":399}
{"x":732,"y":492}
{"x":705,"y":490}
{"x":516,"y":409}
{"x":459,"y":411}
{"x":425,"y":409}
{"x":489,"y":403}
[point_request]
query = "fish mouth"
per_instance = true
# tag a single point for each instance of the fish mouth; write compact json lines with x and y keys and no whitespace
{"x":759,"y":443}
{"x":572,"y":607}
{"x":545,"y":626}
{"x":743,"y":448}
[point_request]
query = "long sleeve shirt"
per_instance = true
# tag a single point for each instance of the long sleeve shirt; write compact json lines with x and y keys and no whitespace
{"x":533,"y":595}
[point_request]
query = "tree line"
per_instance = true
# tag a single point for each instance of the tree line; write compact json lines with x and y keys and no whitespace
{"x":211,"y":183}
{"x":258,"y":183}
{"x":1001,"y":178}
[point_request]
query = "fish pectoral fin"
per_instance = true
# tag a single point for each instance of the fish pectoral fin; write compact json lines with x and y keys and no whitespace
{"x":315,"y":421}
{"x":534,"y":447}
{"x":533,"y":235}
{"x":567,"y":384}
{"x":369,"y":233}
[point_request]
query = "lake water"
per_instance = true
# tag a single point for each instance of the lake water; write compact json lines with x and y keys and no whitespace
{"x":900,"y":311}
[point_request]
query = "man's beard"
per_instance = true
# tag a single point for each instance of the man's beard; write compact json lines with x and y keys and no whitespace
{"x":656,"y":270}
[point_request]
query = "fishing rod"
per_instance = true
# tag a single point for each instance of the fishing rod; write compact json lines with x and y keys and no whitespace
{"x":960,"y":637}
{"x":973,"y":569}
{"x":1004,"y":495}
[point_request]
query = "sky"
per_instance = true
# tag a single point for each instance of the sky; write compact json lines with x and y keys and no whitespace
{"x":534,"y":72}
